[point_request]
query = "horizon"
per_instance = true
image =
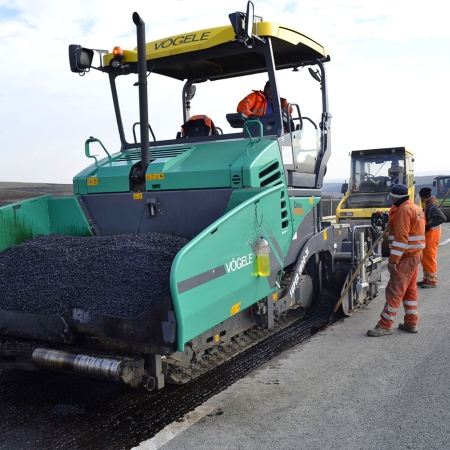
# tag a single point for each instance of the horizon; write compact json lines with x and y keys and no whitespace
{"x":325,"y":180}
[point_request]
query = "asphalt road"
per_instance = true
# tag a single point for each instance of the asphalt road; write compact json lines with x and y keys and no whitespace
{"x":340,"y":390}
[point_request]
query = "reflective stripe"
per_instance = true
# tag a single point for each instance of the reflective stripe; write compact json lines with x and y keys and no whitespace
{"x":256,"y":112}
{"x":406,"y":235}
{"x":431,"y":279}
{"x":387,"y":316}
{"x":410,"y":303}
{"x":411,"y":311}
{"x":435,"y":228}
{"x":390,"y":308}
{"x":416,"y":246}
{"x":416,"y":238}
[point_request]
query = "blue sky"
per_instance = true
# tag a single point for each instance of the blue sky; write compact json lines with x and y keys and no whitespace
{"x":388,"y":75}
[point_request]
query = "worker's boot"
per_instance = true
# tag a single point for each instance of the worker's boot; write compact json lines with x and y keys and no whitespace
{"x":419,"y":283}
{"x":404,"y":327}
{"x":378,"y":331}
{"x":428,"y":285}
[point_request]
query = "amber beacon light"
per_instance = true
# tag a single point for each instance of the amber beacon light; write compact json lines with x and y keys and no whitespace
{"x":118,"y":56}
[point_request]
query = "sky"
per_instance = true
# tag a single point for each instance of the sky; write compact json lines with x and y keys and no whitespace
{"x":387,"y":78}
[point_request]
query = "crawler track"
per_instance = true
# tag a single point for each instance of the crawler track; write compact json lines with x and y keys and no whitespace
{"x":56,"y":411}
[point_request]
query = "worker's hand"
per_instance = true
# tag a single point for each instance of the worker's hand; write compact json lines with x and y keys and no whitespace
{"x":392,"y":268}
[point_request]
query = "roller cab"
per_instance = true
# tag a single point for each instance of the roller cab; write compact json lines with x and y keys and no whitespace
{"x":373,"y":172}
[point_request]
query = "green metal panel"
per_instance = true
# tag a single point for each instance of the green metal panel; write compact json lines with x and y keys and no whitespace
{"x":109,"y":176}
{"x":239,"y":196}
{"x":263,"y":167}
{"x":112,"y":178}
{"x":23,"y":220}
{"x":41,"y":215}
{"x":67,"y":217}
{"x":80,"y":185}
{"x":240,"y":168}
{"x":200,"y":166}
{"x":204,"y":165}
{"x":214,"y":275}
{"x":263,"y":155}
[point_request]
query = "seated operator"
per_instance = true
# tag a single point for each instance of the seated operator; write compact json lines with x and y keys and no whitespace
{"x":394,"y":171}
{"x":199,"y":125}
{"x":260,"y":102}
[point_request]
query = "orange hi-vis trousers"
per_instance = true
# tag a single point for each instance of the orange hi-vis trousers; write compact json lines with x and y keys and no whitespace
{"x":429,"y":261}
{"x":402,"y":287}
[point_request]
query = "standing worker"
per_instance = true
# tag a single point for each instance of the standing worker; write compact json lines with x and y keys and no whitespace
{"x":406,"y":235}
{"x":434,"y":217}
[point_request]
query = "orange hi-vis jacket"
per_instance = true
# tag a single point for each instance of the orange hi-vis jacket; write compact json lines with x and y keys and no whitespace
{"x":406,"y":231}
{"x":255,"y":104}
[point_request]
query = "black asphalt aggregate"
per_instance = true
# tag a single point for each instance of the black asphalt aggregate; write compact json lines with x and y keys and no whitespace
{"x":122,"y":275}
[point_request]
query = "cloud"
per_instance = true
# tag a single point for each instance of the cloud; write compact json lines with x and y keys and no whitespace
{"x":387,"y":76}
{"x":290,"y":7}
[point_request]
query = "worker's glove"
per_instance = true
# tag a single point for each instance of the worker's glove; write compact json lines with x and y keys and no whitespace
{"x":392,"y":268}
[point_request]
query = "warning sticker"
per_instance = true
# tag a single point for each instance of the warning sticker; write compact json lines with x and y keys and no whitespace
{"x":235,"y":309}
{"x":154,"y":176}
{"x":286,"y":154}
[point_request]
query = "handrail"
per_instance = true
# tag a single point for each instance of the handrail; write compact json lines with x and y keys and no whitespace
{"x":258,"y":139}
{"x":134,"y":131}
{"x":88,"y":154}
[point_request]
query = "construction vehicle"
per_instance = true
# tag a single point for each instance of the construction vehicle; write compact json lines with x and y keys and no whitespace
{"x":442,"y":185}
{"x":373,"y":172}
{"x":248,"y":203}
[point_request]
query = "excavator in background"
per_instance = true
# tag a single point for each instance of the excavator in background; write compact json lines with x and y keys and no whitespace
{"x":442,"y":185}
{"x":373,"y":172}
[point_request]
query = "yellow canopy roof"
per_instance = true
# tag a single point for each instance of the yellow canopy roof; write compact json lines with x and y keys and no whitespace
{"x":215,"y":53}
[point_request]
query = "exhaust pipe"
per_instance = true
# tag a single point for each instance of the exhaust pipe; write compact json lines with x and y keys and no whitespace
{"x":143,"y":98}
